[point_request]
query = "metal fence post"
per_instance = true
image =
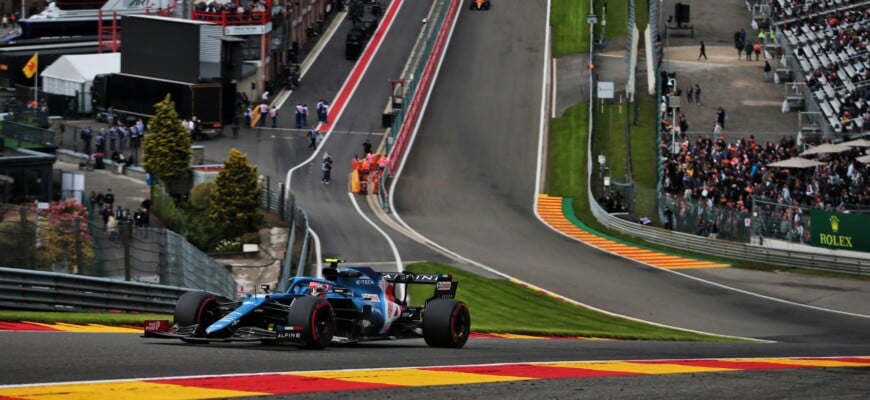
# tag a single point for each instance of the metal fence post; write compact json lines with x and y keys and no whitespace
{"x":126,"y":235}
{"x":22,"y":238}
{"x":163,"y":258}
{"x":281,"y":203}
{"x":268,"y":193}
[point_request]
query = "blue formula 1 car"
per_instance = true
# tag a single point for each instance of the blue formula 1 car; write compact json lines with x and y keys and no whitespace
{"x":348,"y":305}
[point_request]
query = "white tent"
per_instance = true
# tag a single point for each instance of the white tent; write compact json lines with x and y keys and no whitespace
{"x":796,"y":162}
{"x":73,"y":75}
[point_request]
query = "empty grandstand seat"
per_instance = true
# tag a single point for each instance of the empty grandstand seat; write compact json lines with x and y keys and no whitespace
{"x":849,"y":85}
{"x":835,"y":105}
{"x":829,"y":90}
{"x":849,"y":70}
{"x":829,"y":113}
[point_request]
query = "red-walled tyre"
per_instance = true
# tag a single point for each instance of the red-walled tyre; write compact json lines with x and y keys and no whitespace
{"x":197,"y":308}
{"x":446,"y":323}
{"x":317,"y":318}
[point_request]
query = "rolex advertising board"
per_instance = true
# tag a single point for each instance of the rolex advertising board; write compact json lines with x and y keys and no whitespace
{"x":840,"y":231}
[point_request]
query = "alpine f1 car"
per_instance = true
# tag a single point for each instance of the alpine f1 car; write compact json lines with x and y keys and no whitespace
{"x":479,"y":5}
{"x":347,"y":305}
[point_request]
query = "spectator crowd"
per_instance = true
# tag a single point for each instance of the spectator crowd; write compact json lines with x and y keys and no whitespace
{"x":720,"y":186}
{"x":711,"y":181}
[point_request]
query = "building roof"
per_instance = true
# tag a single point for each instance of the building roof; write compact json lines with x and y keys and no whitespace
{"x":83,"y":67}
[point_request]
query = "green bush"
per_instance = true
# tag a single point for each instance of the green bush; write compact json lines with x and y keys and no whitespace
{"x":200,"y":195}
{"x":164,"y":207}
{"x":193,"y":219}
{"x":203,"y":232}
{"x":226,"y":246}
{"x":250,"y":237}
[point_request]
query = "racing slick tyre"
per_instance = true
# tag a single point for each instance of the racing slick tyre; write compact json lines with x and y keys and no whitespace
{"x":317,"y":319}
{"x":446,"y":323}
{"x":197,"y":308}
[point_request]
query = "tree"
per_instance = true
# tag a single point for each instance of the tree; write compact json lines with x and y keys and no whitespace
{"x":48,"y":239}
{"x":203,"y":232}
{"x":235,"y":203}
{"x":63,"y":236}
{"x":166,"y":149}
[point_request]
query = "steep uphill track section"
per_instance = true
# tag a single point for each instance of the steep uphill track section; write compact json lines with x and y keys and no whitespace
{"x":356,"y":116}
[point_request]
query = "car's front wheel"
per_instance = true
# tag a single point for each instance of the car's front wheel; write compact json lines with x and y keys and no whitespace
{"x":197,"y":308}
{"x":317,"y":319}
{"x":446,"y":323}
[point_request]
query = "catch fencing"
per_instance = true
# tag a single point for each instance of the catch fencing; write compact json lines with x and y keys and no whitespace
{"x":34,"y":239}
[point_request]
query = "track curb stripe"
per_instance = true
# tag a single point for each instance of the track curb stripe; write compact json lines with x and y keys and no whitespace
{"x":229,"y":386}
{"x":26,"y":326}
{"x":96,"y":328}
{"x":65,"y":327}
{"x":553,"y":210}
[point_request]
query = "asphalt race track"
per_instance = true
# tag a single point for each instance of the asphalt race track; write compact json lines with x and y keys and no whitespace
{"x":469,"y":186}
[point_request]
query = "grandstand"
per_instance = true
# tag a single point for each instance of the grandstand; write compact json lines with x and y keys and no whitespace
{"x":824,"y":55}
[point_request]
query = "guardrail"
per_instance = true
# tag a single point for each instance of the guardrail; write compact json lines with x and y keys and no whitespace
{"x":298,"y":226}
{"x":47,"y":291}
{"x":430,"y":49}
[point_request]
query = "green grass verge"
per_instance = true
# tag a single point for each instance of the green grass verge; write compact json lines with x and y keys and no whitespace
{"x":566,"y":175}
{"x":643,"y":158}
{"x":81,"y":318}
{"x":570,"y":30}
{"x":610,"y":139}
{"x":500,"y":306}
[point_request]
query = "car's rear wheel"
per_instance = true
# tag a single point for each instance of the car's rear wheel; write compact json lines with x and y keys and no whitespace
{"x":197,"y":308}
{"x":446,"y":323}
{"x":317,"y":319}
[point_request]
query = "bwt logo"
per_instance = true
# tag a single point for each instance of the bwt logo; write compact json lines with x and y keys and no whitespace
{"x":137,"y":3}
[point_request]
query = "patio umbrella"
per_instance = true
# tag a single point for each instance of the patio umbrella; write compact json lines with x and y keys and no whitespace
{"x":857,"y":143}
{"x":796,"y":162}
{"x":864,"y":159}
{"x":826,"y":148}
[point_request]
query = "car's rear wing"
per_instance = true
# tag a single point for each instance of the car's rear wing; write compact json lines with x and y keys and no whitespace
{"x":445,"y":287}
{"x":407,"y":277}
